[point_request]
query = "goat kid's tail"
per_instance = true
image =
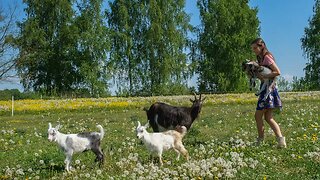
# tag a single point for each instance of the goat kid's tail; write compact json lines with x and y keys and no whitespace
{"x":101,"y":131}
{"x":182,"y":130}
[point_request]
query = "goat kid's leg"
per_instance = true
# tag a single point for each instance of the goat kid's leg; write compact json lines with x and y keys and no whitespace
{"x":160,"y":158}
{"x":178,"y":153}
{"x":68,"y":160}
{"x":99,"y":155}
{"x":268,"y":89}
{"x":180,"y":147}
{"x":263,"y":87}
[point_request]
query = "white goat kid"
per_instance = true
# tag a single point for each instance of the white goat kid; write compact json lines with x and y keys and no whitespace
{"x":156,"y":143}
{"x":253,"y":69}
{"x":73,"y":143}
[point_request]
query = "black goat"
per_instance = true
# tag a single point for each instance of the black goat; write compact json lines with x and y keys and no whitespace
{"x":163,"y":117}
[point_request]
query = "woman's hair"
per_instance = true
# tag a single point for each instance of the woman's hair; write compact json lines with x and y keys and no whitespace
{"x":259,"y":42}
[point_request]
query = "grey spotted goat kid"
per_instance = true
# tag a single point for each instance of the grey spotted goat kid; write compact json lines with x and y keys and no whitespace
{"x":73,"y":143}
{"x":252,"y":70}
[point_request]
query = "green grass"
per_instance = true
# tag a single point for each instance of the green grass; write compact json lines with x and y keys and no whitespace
{"x":219,"y":142}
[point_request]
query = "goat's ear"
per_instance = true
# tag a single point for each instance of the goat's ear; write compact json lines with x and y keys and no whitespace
{"x":139,"y":124}
{"x":58,"y":127}
{"x":146,"y":125}
{"x":50,"y":126}
{"x":191,"y":100}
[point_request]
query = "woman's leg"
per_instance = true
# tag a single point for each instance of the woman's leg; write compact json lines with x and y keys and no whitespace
{"x":276,"y":129}
{"x":259,"y":122}
{"x":273,"y":124}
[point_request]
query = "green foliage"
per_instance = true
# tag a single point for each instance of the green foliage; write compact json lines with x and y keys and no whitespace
{"x":149,"y":39}
{"x":59,"y":44}
{"x":8,"y":93}
{"x":283,"y":84}
{"x":227,"y":29}
{"x":311,"y":48}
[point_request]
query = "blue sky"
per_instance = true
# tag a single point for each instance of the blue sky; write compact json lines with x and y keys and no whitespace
{"x":282,"y":25}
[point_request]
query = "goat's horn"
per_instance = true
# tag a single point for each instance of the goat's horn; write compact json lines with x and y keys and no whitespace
{"x":50,"y":126}
{"x":139,"y":124}
{"x":200,"y":97}
{"x":195,"y":96}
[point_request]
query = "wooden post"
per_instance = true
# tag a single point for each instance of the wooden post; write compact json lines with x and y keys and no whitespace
{"x":12,"y":106}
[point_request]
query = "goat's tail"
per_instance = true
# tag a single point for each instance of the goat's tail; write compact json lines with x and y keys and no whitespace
{"x":146,"y":109}
{"x":101,"y":131}
{"x":182,"y":130}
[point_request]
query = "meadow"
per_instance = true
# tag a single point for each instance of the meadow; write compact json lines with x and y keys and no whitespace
{"x":219,"y":142}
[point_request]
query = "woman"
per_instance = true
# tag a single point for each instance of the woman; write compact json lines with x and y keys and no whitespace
{"x":265,"y":108}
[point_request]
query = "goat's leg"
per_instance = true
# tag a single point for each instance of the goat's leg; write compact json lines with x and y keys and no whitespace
{"x":252,"y":83}
{"x":160,"y":157}
{"x":178,"y":153}
{"x":264,"y":85}
{"x":180,"y":147}
{"x":268,"y":84}
{"x":99,"y":155}
{"x":68,"y":160}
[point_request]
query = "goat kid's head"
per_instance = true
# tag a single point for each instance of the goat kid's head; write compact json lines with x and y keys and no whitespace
{"x":141,"y":130}
{"x":197,"y":102}
{"x":52,"y":132}
{"x":251,"y":68}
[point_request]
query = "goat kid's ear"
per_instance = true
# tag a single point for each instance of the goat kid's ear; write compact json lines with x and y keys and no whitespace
{"x":50,"y":126}
{"x":58,"y":127}
{"x":146,"y":125}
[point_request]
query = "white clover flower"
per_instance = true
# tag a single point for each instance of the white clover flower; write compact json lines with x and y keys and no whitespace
{"x":87,"y":175}
{"x":126,"y":173}
{"x":20,"y":172}
{"x":8,"y":172}
{"x":41,"y":161}
{"x":214,"y":169}
{"x":99,"y":172}
{"x":77,"y":161}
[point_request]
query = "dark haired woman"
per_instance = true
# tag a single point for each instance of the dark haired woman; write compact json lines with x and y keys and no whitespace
{"x":265,"y":108}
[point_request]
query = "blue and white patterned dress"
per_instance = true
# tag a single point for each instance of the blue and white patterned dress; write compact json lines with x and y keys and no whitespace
{"x":272,"y":101}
